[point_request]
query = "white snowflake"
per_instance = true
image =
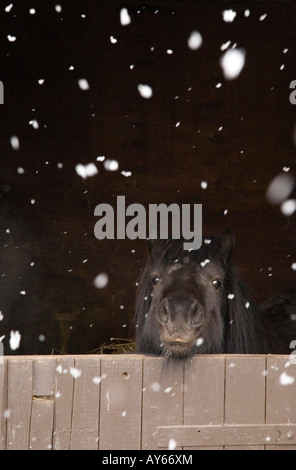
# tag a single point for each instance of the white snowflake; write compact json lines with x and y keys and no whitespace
{"x":228,"y":15}
{"x":195,"y":40}
{"x":101,"y":280}
{"x":125,"y":18}
{"x":286,"y":379}
{"x":111,"y":165}
{"x":75,"y":372}
{"x":15,"y":338}
{"x":86,"y":171}
{"x":145,"y":90}
{"x":232,"y":63}
{"x":83,"y":84}
{"x":15,"y":143}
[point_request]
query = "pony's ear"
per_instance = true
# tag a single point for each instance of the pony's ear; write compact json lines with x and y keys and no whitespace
{"x":226,"y":243}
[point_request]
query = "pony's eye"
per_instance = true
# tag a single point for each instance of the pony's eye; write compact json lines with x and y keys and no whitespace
{"x":155,"y":280}
{"x":217,"y":283}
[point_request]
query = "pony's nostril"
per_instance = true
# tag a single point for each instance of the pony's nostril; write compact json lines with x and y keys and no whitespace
{"x":164,"y":311}
{"x":195,"y":313}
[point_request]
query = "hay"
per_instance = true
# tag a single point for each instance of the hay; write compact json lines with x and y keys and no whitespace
{"x":118,"y":346}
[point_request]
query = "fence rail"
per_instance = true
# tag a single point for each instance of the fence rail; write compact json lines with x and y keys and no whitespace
{"x":130,"y":402}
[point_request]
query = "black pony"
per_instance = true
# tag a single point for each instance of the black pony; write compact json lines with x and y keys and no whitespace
{"x":192,"y":302}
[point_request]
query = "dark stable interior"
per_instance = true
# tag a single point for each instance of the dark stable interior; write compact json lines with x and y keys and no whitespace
{"x":199,"y":139}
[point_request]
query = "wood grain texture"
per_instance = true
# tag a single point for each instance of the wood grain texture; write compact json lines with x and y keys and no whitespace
{"x":3,"y":399}
{"x":204,"y":393}
{"x":85,"y":414}
{"x":245,"y":393}
{"x":163,"y":393}
{"x":281,"y":395}
{"x":19,"y":403}
{"x":41,"y":424}
{"x":121,"y":401}
{"x":63,"y":403}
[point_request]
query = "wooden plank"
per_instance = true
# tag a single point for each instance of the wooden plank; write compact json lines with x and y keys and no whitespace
{"x":41,"y":427}
{"x":245,"y":393}
{"x":85,"y":414}
{"x":281,"y":395}
{"x":3,"y":397}
{"x":63,"y":400}
{"x":19,"y":403}
{"x":204,"y":393}
{"x":43,"y":376}
{"x":162,"y":399}
{"x":121,"y":394}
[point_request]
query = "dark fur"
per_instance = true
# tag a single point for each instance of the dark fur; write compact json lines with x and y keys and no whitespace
{"x":225,"y":325}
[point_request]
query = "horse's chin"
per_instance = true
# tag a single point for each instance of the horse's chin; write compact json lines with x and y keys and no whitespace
{"x":180,"y":350}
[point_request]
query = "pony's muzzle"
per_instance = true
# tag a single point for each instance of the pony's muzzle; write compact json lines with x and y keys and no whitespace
{"x":177,"y":312}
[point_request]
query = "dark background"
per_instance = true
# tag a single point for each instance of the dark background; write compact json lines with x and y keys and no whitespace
{"x":49,"y":211}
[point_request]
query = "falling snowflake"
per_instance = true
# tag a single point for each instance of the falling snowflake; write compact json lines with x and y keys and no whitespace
{"x":34,"y":124}
{"x":58,"y":8}
{"x":286,"y":379}
{"x":86,"y":171}
{"x":9,"y":7}
{"x":126,"y":173}
{"x":113,"y":40}
{"x":101,"y":280}
{"x":83,"y":84}
{"x":145,"y":90}
{"x":75,"y":372}
{"x":199,"y":342}
{"x":172,"y":444}
{"x":279,"y":188}
{"x":41,"y":81}
{"x":203,"y":263}
{"x":228,"y":15}
{"x":225,"y":46}
{"x":111,"y":165}
{"x":15,"y":143}
{"x":232,"y":63}
{"x":194,"y":41}
{"x":288,"y":207}
{"x":125,"y":18}
{"x":15,"y":338}
{"x":11,"y":38}
{"x":204,"y":185}
{"x":230,"y":296}
{"x":155,"y":387}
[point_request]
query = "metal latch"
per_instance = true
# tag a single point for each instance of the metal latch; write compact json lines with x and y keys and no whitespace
{"x":224,"y":434}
